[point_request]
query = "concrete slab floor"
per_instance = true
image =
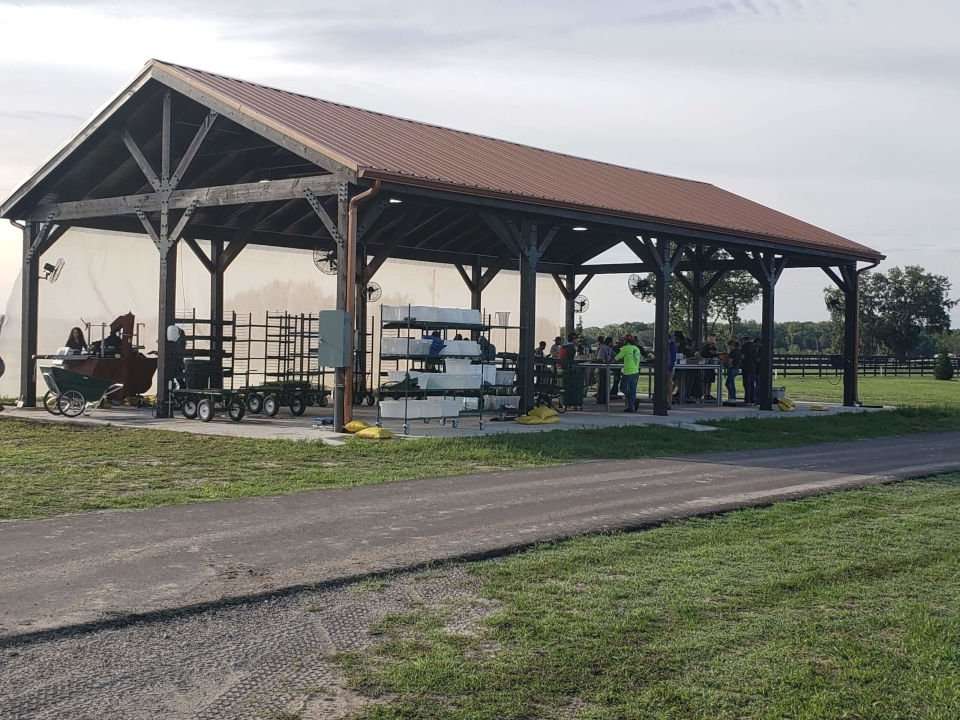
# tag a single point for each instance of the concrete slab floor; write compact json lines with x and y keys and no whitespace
{"x":309,"y":427}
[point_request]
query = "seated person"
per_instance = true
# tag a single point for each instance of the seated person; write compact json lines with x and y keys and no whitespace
{"x":111,"y":343}
{"x":76,"y":342}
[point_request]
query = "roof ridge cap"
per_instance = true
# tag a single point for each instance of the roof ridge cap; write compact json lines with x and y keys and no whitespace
{"x":431,"y":125}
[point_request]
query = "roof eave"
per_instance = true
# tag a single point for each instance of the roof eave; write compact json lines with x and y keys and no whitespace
{"x":177,"y":81}
{"x":868,"y":255}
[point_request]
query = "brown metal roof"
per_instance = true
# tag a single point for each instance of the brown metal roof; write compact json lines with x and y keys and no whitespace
{"x":374,"y":145}
{"x":388,"y":147}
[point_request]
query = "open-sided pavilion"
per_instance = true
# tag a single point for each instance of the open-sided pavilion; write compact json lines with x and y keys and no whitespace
{"x":183,"y":156}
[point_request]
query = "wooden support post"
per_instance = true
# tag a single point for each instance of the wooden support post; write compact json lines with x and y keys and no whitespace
{"x":476,"y":287}
{"x":476,"y":292}
{"x":29,"y":309}
{"x":528,"y":315}
{"x":851,"y":334}
{"x":765,"y":373}
{"x":216,"y":304}
{"x":661,"y":256}
{"x":166,"y":315}
{"x":662,"y":386}
{"x":529,"y":246}
{"x":570,"y":294}
{"x":766,"y":268}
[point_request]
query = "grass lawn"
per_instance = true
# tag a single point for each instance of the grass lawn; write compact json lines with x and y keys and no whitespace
{"x":839,"y":606}
{"x":876,"y":390}
{"x":48,"y":469}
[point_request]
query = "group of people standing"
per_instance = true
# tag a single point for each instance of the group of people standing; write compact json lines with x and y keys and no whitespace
{"x":739,"y":358}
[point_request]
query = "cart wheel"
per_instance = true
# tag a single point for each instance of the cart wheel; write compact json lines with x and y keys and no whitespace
{"x":237,"y":410}
{"x":271,"y":405}
{"x":561,"y":408}
{"x":205,"y":410}
{"x":71,"y":403}
{"x":51,"y":402}
{"x":322,"y":399}
{"x":371,"y":399}
{"x":298,"y":405}
{"x":255,"y":403}
{"x":189,"y":408}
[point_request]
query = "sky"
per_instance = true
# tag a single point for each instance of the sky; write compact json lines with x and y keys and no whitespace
{"x":841,"y":112}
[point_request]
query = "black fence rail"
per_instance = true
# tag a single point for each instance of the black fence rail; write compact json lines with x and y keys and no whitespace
{"x":873,"y":365}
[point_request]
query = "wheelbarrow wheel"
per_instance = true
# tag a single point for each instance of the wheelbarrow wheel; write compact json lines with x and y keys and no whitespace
{"x":271,"y":405}
{"x":237,"y":410}
{"x":371,"y":399}
{"x":189,"y":408}
{"x":71,"y":403}
{"x":255,"y":404}
{"x":298,"y":406}
{"x":51,"y":402}
{"x":205,"y":410}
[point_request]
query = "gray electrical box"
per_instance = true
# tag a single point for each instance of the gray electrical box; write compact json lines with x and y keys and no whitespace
{"x":334,"y":338}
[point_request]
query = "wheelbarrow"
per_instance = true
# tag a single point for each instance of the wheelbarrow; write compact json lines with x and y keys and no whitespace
{"x":72,"y":394}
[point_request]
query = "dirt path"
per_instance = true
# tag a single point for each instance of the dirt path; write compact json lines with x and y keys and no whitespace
{"x":99,"y":567}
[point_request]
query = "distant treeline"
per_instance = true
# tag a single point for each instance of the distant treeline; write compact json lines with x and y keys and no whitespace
{"x":800,"y":337}
{"x":903,"y":312}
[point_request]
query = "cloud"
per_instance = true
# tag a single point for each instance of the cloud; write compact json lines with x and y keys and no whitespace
{"x":842,"y":113}
{"x":34,"y":115}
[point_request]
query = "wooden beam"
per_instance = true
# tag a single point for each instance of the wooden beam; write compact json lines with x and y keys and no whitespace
{"x":505,"y":232}
{"x":231,"y":252}
{"x":489,"y":274}
{"x":838,"y":281}
{"x":181,"y":224}
{"x":582,"y":286}
{"x":369,"y":216}
{"x":201,"y":255}
{"x":52,"y":236}
{"x":443,"y":230}
{"x":166,"y":139}
{"x":239,"y":194}
{"x":324,"y":216}
{"x":419,"y":226}
{"x":191,"y":152}
{"x":466,"y":277}
{"x":715,"y":278}
{"x":548,"y":239}
{"x":151,"y":230}
{"x":650,"y":227}
{"x":141,"y":160}
{"x":685,"y":281}
{"x":466,"y":235}
{"x":562,"y":284}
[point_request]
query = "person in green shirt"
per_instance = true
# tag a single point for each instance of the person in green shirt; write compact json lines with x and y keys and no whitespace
{"x":630,"y":356}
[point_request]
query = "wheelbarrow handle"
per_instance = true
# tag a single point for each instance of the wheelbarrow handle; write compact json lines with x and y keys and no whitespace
{"x":113,"y":388}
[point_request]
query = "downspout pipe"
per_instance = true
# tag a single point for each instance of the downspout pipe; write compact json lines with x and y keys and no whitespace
{"x":352,"y":213}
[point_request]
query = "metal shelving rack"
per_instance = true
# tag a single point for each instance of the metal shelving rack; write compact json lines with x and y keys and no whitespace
{"x":432,"y":364}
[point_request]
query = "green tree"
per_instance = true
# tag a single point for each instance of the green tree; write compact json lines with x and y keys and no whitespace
{"x":724,"y":302}
{"x":943,"y":368}
{"x":902,"y":312}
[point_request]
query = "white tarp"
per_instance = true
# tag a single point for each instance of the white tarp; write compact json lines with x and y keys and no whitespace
{"x":109,"y":274}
